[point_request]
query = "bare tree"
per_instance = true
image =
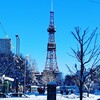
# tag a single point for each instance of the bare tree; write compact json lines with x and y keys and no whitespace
{"x":48,"y":76}
{"x":32,"y":64}
{"x":87,"y":53}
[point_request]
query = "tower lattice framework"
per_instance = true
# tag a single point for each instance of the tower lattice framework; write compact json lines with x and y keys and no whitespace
{"x":51,"y":59}
{"x":51,"y":72}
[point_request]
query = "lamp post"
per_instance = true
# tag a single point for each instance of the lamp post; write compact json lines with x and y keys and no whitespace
{"x":17,"y":45}
{"x":25,"y":77}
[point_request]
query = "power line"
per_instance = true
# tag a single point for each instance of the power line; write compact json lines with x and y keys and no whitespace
{"x":3,"y":29}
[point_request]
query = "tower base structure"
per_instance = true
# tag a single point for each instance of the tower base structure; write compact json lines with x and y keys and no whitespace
{"x":50,"y":75}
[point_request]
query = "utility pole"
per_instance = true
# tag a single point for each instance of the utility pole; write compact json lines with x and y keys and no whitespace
{"x":17,"y":45}
{"x":25,"y":76}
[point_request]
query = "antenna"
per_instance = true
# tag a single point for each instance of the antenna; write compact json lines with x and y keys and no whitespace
{"x":51,"y":25}
{"x":3,"y":30}
{"x":52,"y":1}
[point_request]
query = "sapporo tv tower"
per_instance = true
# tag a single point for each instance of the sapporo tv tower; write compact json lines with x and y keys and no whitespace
{"x":51,"y":72}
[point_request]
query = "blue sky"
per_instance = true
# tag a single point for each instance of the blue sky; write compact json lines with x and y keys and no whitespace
{"x":30,"y":20}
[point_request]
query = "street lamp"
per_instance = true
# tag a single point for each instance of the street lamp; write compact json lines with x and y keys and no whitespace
{"x":17,"y":45}
{"x":25,"y":78}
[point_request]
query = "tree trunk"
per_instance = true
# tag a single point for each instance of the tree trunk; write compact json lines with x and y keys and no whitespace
{"x":88,"y":94}
{"x":81,"y":90}
{"x":81,"y":72}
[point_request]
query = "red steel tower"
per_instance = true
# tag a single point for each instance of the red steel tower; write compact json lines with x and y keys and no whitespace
{"x":51,"y":72}
{"x":51,"y":59}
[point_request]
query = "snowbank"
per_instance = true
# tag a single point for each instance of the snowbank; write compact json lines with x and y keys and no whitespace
{"x":59,"y":97}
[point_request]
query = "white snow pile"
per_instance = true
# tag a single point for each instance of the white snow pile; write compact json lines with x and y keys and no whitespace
{"x":58,"y":97}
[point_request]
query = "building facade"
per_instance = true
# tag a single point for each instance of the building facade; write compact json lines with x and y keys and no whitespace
{"x":5,"y":46}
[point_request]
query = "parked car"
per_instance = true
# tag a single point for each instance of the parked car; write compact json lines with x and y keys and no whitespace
{"x":34,"y":88}
{"x":67,"y":89}
{"x":41,"y":89}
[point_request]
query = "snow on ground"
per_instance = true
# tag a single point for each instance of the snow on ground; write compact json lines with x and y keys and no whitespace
{"x":58,"y":97}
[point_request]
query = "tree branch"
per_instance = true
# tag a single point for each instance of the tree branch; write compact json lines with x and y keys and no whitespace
{"x":85,"y":32}
{"x":77,"y":55}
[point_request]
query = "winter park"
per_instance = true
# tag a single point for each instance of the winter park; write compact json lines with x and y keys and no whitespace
{"x":49,"y":50}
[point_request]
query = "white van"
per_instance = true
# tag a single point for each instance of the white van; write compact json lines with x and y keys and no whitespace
{"x":34,"y":88}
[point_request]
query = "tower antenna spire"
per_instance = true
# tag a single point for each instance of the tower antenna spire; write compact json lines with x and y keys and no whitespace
{"x":52,"y":1}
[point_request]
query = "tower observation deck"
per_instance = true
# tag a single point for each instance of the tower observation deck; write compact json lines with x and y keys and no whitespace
{"x":51,"y":68}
